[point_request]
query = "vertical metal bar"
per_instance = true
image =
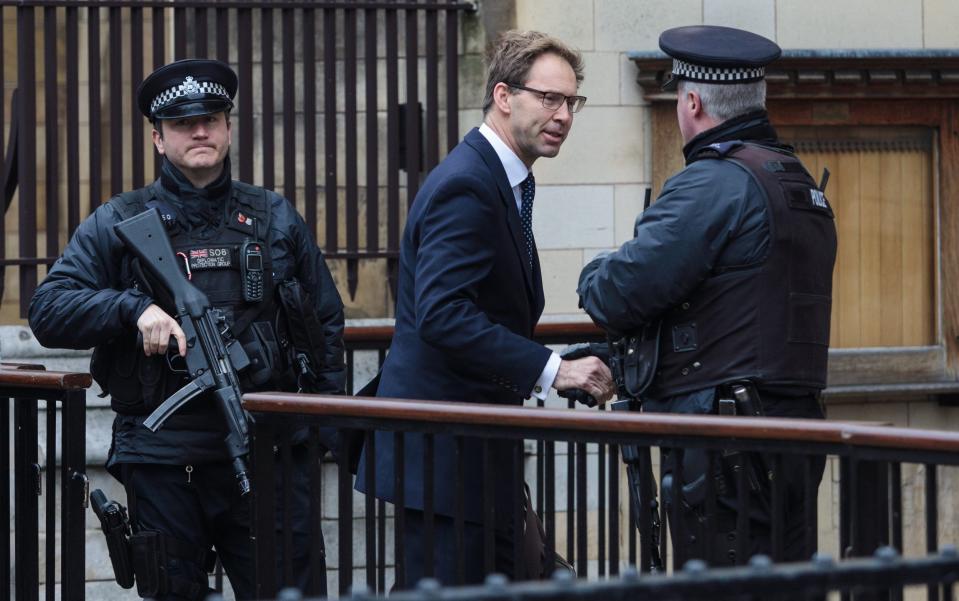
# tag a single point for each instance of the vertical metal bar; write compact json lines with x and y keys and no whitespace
{"x":582,"y":512}
{"x":309,"y":120}
{"x":370,"y":498}
{"x":264,"y":509}
{"x":51,"y":500}
{"x":549,"y":503}
{"x":489,"y":511}
{"x":452,"y":79}
{"x":5,"y":480}
{"x":932,"y":519}
{"x":222,"y":16}
{"x":676,"y":519}
{"x":52,"y":130}
{"x":73,"y":487}
{"x":518,"y":513}
{"x":329,"y":124}
{"x":663,"y":521}
{"x":200,"y":31}
{"x":810,"y":506}
{"x":432,"y":141}
{"x":458,"y":520}
{"x":540,"y":468}
{"x":381,"y":546}
{"x":317,"y":551}
{"x":350,"y":371}
{"x":159,"y":58}
{"x":613,"y":467}
{"x":26,"y":489}
{"x":267,"y":113}
{"x":179,"y":32}
{"x":632,"y":528}
{"x":895,"y":486}
{"x":742,"y":503}
{"x":72,"y":117}
{"x":393,"y":149}
{"x":779,"y":512}
{"x":707,"y":527}
{"x":570,"y":500}
{"x":399,"y":517}
{"x":414,"y":160}
{"x":286,"y":502}
{"x":136,"y":76}
{"x":644,"y":521}
{"x":289,"y":105}
{"x":116,"y":100}
{"x":244,"y":26}
{"x":372,"y":134}
{"x":345,"y":520}
{"x":845,"y":522}
{"x":350,"y":150}
{"x":93,"y":88}
{"x":601,"y":510}
{"x":27,"y":160}
{"x":428,"y":515}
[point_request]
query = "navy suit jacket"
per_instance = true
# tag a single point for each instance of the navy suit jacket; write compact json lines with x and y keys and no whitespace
{"x":467,"y":303}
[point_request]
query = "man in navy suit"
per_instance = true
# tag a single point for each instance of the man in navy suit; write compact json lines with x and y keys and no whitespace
{"x":469,"y":296}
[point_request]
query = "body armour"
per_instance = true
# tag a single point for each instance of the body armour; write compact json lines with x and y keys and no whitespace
{"x":136,"y":383}
{"x":768,"y":323}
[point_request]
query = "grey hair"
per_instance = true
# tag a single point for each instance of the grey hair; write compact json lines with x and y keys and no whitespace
{"x":726,"y":101}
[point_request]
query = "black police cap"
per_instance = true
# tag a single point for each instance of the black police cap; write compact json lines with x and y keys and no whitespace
{"x":187,"y":88}
{"x":714,"y":54}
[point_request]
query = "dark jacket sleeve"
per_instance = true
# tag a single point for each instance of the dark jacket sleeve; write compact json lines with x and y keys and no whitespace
{"x":709,"y":214}
{"x":314,"y":275}
{"x":82,"y":302}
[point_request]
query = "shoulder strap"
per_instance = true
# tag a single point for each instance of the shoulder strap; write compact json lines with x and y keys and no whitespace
{"x":130,"y":203}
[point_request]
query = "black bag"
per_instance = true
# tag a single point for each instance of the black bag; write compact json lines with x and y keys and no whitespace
{"x":534,"y":546}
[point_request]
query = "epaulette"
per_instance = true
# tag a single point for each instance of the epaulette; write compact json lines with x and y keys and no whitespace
{"x":716,"y":150}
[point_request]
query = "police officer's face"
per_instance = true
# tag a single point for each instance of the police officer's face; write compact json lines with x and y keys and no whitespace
{"x":537,"y":131}
{"x":196,"y":146}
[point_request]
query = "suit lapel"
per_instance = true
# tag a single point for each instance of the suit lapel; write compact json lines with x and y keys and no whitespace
{"x":534,"y":287}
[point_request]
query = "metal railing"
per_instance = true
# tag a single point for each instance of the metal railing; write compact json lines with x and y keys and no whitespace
{"x":58,"y":479}
{"x":874,"y":577}
{"x":870,"y":459}
{"x":331,"y":110}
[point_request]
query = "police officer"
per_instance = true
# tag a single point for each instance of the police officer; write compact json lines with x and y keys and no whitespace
{"x":239,"y":244}
{"x":724,"y":293}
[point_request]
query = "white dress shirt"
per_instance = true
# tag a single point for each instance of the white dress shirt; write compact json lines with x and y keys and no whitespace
{"x":516,"y":173}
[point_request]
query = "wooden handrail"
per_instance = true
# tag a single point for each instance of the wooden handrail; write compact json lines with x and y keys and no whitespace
{"x":701,"y":426}
{"x":48,"y":380}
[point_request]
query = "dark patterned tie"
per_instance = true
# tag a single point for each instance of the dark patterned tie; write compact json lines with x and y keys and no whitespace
{"x":528,"y":189}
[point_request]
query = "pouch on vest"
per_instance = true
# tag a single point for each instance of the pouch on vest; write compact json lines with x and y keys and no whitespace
{"x":261,"y":346}
{"x":305,"y":342}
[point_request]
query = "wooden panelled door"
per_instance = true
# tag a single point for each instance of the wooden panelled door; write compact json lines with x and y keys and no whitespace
{"x":881,"y":188}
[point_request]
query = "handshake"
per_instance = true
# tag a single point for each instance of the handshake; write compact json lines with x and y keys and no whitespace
{"x":586,"y":378}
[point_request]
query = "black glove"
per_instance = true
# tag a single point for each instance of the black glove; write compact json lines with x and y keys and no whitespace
{"x":578,"y":351}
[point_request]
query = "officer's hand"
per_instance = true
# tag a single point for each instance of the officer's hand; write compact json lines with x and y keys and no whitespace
{"x":156,"y":327}
{"x":589,"y":374}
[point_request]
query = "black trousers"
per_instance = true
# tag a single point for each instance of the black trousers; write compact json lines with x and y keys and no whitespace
{"x":203,"y":509}
{"x":443,"y":547}
{"x":719,"y":546}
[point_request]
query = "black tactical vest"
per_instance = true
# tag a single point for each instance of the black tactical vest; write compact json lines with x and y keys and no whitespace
{"x":767,"y":323}
{"x":136,"y":383}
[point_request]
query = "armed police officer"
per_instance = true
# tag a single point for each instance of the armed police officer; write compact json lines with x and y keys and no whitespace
{"x":721,"y":301}
{"x":256,"y":260}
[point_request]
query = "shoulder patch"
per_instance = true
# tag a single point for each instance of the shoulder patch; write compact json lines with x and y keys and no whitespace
{"x":717,"y":150}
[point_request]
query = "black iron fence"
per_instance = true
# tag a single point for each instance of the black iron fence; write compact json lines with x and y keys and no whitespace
{"x":342,"y":106}
{"x":54,"y":486}
{"x":592,"y":516}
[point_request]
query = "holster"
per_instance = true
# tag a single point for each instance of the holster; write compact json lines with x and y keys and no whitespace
{"x":633,"y":360}
{"x":305,"y":341}
{"x":149,"y":563}
{"x":116,"y":529}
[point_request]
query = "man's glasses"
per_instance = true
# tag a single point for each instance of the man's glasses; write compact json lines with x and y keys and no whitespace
{"x":554,"y":100}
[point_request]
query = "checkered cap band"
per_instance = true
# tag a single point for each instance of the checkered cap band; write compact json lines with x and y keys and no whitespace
{"x":693,"y":72}
{"x":189,"y":87}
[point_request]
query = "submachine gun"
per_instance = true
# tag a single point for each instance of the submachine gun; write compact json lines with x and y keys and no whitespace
{"x":639,"y":465}
{"x":214,"y":357}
